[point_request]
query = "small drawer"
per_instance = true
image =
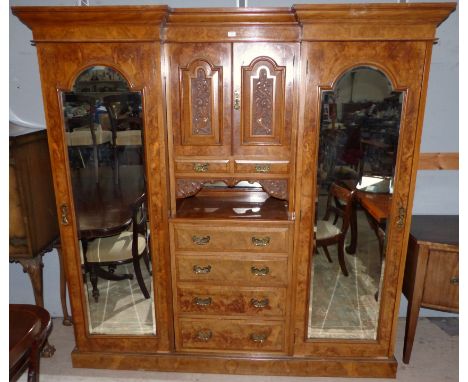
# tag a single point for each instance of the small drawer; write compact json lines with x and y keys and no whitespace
{"x":231,"y":301}
{"x":201,"y":166}
{"x":261,"y":167}
{"x":441,"y":283}
{"x":235,"y":335}
{"x":229,"y":239}
{"x":229,"y":269}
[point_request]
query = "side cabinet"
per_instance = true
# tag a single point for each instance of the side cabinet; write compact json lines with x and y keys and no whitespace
{"x":202,"y":159}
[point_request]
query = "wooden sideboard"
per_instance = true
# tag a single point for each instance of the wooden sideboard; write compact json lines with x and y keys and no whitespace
{"x":33,"y":221}
{"x":232,"y":104}
{"x":431,"y":273}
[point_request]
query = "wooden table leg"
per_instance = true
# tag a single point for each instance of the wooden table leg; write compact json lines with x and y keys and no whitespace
{"x":67,"y":320}
{"x":414,"y":303}
{"x":33,"y":267}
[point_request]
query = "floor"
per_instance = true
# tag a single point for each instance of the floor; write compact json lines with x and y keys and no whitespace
{"x":121,"y":307}
{"x":345,"y":307}
{"x":434,"y":359}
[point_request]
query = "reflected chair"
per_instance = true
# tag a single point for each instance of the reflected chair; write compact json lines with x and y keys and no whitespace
{"x":129,"y":246}
{"x":329,"y":233}
{"x":125,"y":124}
{"x":82,"y":132}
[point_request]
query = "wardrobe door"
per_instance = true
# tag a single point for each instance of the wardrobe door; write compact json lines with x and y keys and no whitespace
{"x":263,"y":98}
{"x":360,"y":123}
{"x":199,"y":92}
{"x":102,"y":103}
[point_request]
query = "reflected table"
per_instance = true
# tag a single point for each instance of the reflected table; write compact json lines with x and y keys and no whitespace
{"x":376,"y":205}
{"x":103,"y":208}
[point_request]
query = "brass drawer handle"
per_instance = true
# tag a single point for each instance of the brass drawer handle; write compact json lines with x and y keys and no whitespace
{"x":204,"y":335}
{"x":259,"y":303}
{"x":201,"y":240}
{"x":200,"y":167}
{"x":236,"y":100}
{"x":258,"y":337}
{"x":199,"y":269}
{"x":263,"y":168}
{"x":202,"y":301}
{"x":260,"y":271}
{"x":260,"y":241}
{"x":454,"y":281}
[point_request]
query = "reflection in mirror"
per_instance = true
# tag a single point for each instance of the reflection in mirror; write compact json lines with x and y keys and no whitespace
{"x":103,"y":130}
{"x":359,"y":131}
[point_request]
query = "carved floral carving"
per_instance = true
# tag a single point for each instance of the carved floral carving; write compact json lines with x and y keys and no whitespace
{"x":262,"y":107}
{"x":277,"y":188}
{"x":189,"y":187}
{"x":201,"y":103}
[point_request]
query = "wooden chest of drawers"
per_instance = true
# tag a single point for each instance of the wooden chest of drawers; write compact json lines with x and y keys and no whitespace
{"x":231,"y":283}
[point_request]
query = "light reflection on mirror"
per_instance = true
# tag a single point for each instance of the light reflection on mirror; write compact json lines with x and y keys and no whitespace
{"x":359,"y":131}
{"x":103,"y":131}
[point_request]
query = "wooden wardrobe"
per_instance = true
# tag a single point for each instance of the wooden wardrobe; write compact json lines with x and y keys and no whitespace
{"x":235,"y":106}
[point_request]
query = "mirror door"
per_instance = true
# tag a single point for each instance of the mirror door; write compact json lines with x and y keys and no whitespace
{"x":358,"y":140}
{"x":361,"y":120}
{"x":104,"y":136}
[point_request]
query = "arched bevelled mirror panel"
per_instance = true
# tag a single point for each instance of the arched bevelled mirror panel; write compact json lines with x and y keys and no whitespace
{"x":104,"y":134}
{"x":359,"y":130}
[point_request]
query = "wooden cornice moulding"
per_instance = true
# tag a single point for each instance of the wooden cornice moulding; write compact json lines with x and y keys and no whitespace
{"x":438,"y":161}
{"x":93,"y":24}
{"x":347,"y":22}
{"x":231,"y":25}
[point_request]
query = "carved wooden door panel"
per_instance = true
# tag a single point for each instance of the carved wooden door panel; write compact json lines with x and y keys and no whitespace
{"x":263,"y":94}
{"x":200,"y":83}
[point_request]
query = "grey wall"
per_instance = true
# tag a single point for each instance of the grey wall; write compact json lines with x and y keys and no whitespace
{"x":436,"y":191}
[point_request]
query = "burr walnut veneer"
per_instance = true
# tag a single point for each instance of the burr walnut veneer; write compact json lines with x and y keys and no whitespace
{"x":230,"y":96}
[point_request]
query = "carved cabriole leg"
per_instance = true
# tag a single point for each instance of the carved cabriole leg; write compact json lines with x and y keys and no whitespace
{"x":33,"y":267}
{"x":67,"y":320}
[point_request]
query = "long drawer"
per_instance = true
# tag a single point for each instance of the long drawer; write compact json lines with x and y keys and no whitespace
{"x":233,"y":269}
{"x":235,"y":335}
{"x":194,"y":237}
{"x":248,"y":301}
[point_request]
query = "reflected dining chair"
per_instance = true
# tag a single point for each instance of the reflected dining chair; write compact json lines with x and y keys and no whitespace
{"x":87,"y":134}
{"x":129,"y":246}
{"x":331,"y":233}
{"x":126,"y":127}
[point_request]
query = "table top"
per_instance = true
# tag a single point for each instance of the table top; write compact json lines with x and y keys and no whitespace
{"x":378,"y":205}
{"x":104,"y":208}
{"x":26,"y":323}
{"x":435,"y":228}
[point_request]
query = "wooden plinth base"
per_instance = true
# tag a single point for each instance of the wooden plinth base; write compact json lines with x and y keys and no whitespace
{"x":196,"y":363}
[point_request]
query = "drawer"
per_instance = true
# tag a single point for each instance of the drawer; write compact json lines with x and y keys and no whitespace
{"x":207,"y":238}
{"x":235,"y":335}
{"x":201,"y":166}
{"x":232,"y":269}
{"x":231,"y":301}
{"x":441,"y":282}
{"x":261,"y":167}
